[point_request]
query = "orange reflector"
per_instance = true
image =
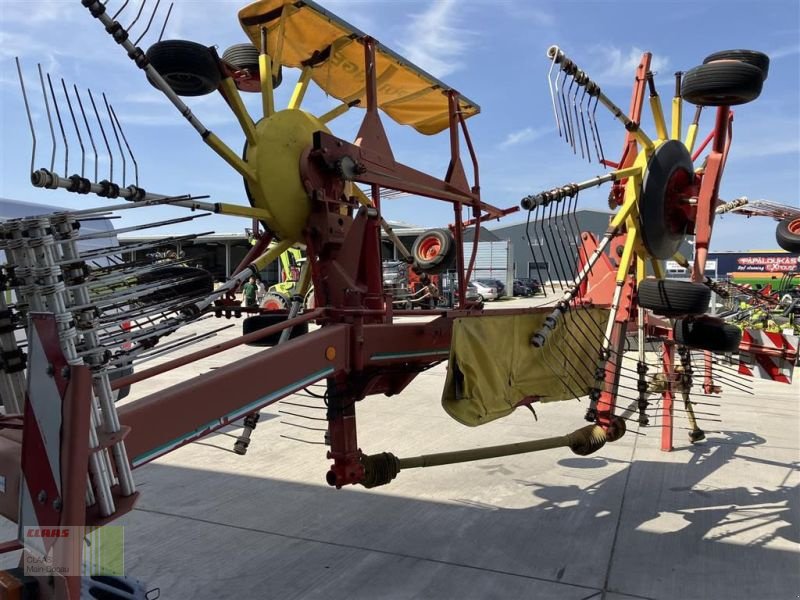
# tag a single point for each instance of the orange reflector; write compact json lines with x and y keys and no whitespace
{"x":330,"y":352}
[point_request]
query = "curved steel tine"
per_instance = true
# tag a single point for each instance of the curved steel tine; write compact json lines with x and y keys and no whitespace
{"x":49,"y":119}
{"x":560,"y":101}
{"x":149,"y":23}
{"x":577,"y":123}
{"x":88,"y":129}
{"x":597,"y":132}
{"x":568,"y":125}
{"x":130,"y":152}
{"x":121,"y":8}
{"x":536,"y":261}
{"x":75,"y":124}
{"x":28,"y":111}
{"x":60,"y":125}
{"x":583,"y":126}
{"x":569,"y":115}
{"x":550,"y":88}
{"x":166,"y":20}
{"x":138,"y":14}
{"x":542,"y":242}
{"x":116,"y":135}
{"x":105,"y":139}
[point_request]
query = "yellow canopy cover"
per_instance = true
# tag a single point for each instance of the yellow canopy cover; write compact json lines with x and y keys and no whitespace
{"x":493,"y":366}
{"x":302,"y":33}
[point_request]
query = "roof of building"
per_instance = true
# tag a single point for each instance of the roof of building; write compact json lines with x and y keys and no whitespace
{"x":502,"y":225}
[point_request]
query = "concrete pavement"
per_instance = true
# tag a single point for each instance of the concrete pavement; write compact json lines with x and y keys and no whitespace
{"x":714,"y":520}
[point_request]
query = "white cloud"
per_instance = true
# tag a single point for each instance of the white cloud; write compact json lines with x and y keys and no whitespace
{"x":615,"y":66}
{"x":766,"y":147}
{"x":522,"y":136}
{"x":784,"y":51}
{"x":40,"y":11}
{"x":433,"y":41}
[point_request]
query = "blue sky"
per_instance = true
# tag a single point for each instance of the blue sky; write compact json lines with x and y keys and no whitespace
{"x":492,"y":51}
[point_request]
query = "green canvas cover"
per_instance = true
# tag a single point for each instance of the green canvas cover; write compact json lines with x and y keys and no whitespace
{"x":493,"y":366}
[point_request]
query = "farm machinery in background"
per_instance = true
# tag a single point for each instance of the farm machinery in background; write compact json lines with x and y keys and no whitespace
{"x":67,"y":452}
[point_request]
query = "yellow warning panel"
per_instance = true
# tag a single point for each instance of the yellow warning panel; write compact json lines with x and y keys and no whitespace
{"x":304,"y":34}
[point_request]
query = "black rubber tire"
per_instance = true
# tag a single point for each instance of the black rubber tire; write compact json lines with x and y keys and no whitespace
{"x":242,"y":56}
{"x":187,"y":282}
{"x":189,"y":68}
{"x":672,"y":298}
{"x":662,"y":224}
{"x":245,"y":56}
{"x":275,"y":298}
{"x":786,"y":239}
{"x":444,"y":258}
{"x":707,"y":333}
{"x":259,"y":322}
{"x":751,"y":57}
{"x":724,"y":83}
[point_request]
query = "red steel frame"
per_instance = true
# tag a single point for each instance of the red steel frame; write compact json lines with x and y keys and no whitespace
{"x":358,"y":350}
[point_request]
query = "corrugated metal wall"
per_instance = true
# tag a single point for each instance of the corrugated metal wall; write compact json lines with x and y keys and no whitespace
{"x":493,"y":260}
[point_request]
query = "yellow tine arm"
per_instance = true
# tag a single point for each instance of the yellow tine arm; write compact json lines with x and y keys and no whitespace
{"x":336,"y":112}
{"x":624,"y":213}
{"x":237,"y":106}
{"x":658,"y":117}
{"x":300,"y":88}
{"x":627,"y":254}
{"x":265,"y":71}
{"x":272,"y":254}
{"x":641,"y":269}
{"x":677,"y":116}
{"x":229,"y":156}
{"x":658,"y":270}
{"x":691,"y":133}
{"x":305,"y":279}
{"x":235,"y":210}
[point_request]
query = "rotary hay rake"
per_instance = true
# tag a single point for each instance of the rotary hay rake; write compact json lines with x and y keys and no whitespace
{"x":67,"y":452}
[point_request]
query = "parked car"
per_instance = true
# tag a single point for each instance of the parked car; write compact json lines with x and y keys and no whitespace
{"x":499,"y":286}
{"x":520,"y":289}
{"x":533,"y":284}
{"x":482,"y":291}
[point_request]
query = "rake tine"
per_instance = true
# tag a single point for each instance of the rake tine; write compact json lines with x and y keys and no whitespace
{"x":166,"y":20}
{"x":530,"y":245}
{"x":583,"y":126}
{"x":138,"y":14}
{"x":28,"y":111}
{"x":543,"y":241}
{"x":105,"y":139}
{"x":597,"y":132}
{"x":121,"y":8}
{"x":577,"y":121}
{"x":116,"y":135}
{"x":130,"y":152}
{"x":88,"y":129}
{"x":149,"y":23}
{"x":49,"y":119}
{"x":550,"y":87}
{"x":561,"y":103}
{"x":60,"y":125}
{"x":75,"y":124}
{"x":569,"y":115}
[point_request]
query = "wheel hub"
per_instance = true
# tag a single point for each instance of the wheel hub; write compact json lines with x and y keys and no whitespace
{"x":663,"y":215}
{"x":281,"y":138}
